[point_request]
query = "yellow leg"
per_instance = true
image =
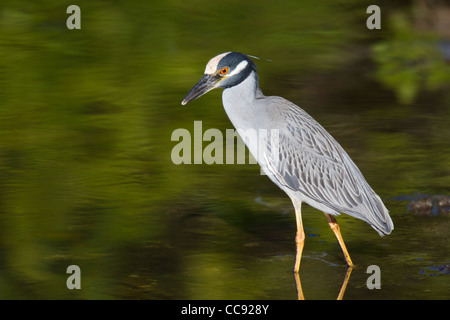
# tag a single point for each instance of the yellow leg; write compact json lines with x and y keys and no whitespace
{"x":300,"y":236}
{"x":335,"y":227}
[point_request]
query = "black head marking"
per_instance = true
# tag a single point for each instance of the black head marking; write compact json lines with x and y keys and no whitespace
{"x":240,"y":66}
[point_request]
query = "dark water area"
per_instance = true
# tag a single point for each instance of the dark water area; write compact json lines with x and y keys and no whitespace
{"x":87,"y":175}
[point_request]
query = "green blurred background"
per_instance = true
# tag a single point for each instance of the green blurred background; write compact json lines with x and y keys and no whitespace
{"x":86,"y":176}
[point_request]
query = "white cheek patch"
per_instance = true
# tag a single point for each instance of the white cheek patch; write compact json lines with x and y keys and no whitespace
{"x":241,"y":66}
{"x":211,"y":67}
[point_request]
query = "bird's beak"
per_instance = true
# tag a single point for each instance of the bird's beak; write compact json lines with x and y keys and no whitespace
{"x":207,"y":83}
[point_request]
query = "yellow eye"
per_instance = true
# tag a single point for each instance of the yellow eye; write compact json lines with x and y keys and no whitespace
{"x":224,"y":71}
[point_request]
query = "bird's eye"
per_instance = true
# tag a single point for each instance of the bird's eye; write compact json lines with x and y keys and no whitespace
{"x":224,"y":71}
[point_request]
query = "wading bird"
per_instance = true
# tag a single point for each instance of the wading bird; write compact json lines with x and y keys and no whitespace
{"x":297,"y":154}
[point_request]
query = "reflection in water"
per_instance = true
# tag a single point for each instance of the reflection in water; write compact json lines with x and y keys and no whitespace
{"x":301,"y":296}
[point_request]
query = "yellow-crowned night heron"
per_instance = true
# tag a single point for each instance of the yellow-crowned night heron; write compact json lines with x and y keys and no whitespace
{"x":297,"y":153}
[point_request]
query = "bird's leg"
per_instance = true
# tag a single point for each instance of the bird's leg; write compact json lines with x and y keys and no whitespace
{"x":300,"y":241}
{"x":335,"y":227}
{"x":300,"y":236}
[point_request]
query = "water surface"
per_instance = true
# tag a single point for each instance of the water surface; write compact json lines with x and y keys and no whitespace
{"x":86,"y":176}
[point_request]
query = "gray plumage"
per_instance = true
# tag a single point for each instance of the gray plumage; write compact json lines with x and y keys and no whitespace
{"x":310,"y":165}
{"x":297,"y":153}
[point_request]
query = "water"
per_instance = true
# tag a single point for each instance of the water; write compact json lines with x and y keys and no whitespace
{"x":86,"y":176}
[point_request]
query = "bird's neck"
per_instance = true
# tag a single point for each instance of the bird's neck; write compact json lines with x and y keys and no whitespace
{"x":241,"y":103}
{"x":244,"y":93}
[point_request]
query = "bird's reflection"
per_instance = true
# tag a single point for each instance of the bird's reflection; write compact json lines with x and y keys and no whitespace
{"x":298,"y":285}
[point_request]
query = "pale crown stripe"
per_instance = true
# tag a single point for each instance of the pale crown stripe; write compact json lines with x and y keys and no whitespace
{"x":211,"y":67}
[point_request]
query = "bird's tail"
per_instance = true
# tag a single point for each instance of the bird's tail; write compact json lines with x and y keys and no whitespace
{"x":379,"y":217}
{"x":374,"y":212}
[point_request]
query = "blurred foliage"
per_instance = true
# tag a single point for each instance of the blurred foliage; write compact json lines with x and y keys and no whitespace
{"x":86,"y":118}
{"x":411,"y":61}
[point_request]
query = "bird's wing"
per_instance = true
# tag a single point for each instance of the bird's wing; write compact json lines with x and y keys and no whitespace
{"x":304,"y":157}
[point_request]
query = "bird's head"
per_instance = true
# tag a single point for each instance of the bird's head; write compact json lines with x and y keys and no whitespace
{"x":223,"y":71}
